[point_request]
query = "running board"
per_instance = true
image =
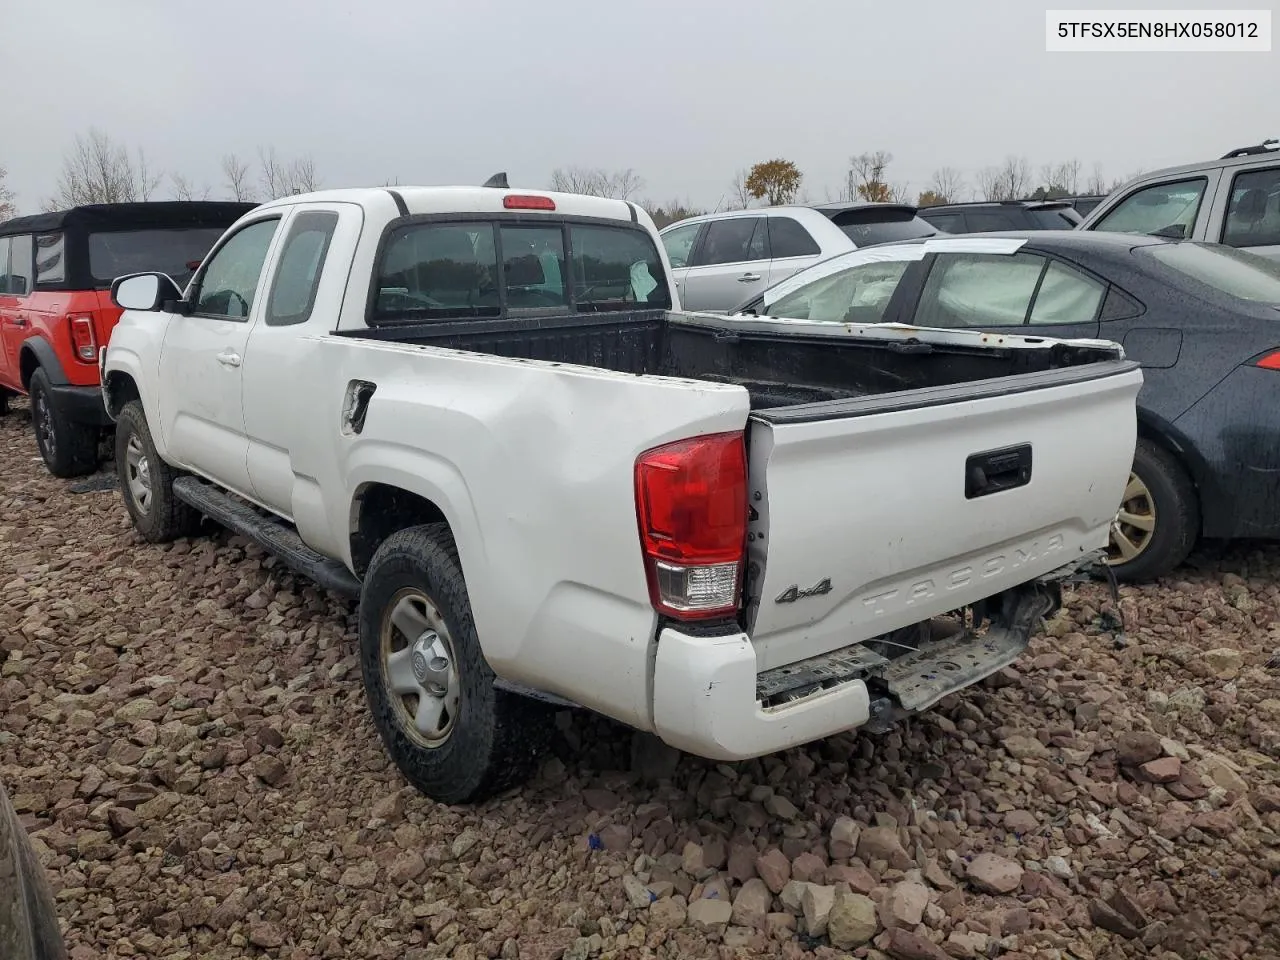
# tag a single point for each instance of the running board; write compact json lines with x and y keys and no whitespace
{"x":274,"y":536}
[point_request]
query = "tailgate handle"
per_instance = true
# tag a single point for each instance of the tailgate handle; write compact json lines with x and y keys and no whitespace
{"x":995,"y":470}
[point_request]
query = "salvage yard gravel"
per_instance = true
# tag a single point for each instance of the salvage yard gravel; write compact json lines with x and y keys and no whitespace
{"x":184,"y":735}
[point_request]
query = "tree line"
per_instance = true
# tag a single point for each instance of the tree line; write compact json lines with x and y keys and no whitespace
{"x":96,"y":169}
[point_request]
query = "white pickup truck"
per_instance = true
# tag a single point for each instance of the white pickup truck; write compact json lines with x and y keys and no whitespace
{"x":481,"y":412}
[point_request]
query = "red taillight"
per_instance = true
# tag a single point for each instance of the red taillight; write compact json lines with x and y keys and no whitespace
{"x":83,"y":339}
{"x":691,"y":503}
{"x":518,"y":201}
{"x":1270,"y":361}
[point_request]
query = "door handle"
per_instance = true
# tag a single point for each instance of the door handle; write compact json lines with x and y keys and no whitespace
{"x":229,"y":358}
{"x":749,"y":278}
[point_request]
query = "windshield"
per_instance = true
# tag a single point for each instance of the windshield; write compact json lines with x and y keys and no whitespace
{"x":1237,"y":273}
{"x":170,"y":250}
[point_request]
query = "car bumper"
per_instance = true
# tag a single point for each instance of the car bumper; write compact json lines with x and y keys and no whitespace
{"x":82,"y":404}
{"x":707,"y":694}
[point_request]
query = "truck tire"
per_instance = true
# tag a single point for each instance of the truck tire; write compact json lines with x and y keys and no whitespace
{"x":1159,"y":519}
{"x":68,"y":449}
{"x":146,"y":481}
{"x":451,"y":733}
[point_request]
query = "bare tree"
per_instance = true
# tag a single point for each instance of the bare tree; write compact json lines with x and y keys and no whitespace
{"x":947,"y":184}
{"x":667,"y":213}
{"x":235,"y":173}
{"x":184,"y":189}
{"x":597,"y":182}
{"x":739,"y":196}
{"x":1097,"y":182}
{"x":7,"y":206}
{"x":281,"y":178}
{"x":97,"y":170}
{"x":865,"y":178}
{"x":1010,"y":181}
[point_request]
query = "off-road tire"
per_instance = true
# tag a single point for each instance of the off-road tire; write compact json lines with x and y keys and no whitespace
{"x":67,"y":447}
{"x":167,"y":518}
{"x":1177,"y":512}
{"x":498,"y":736}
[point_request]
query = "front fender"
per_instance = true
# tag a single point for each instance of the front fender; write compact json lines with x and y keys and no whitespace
{"x":121,"y":361}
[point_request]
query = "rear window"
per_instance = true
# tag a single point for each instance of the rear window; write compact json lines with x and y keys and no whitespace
{"x":466,"y":269}
{"x":871,"y":226}
{"x":175,"y":251}
{"x":1054,"y":218}
{"x":1236,"y":273}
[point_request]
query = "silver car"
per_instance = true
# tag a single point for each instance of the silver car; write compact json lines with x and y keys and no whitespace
{"x":1234,"y":200}
{"x":722,"y":259}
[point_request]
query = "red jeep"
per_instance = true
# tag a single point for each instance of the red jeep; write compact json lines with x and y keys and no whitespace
{"x":56,"y":311}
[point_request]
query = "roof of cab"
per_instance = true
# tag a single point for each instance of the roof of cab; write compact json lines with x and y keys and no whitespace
{"x":469,"y":199}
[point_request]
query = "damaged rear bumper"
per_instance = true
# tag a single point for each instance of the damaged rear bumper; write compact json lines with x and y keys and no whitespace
{"x":709,"y":700}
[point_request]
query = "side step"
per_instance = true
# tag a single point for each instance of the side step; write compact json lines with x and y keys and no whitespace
{"x":277,"y":538}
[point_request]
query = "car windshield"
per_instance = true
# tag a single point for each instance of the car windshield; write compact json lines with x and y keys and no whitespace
{"x":1237,"y":273}
{"x":171,"y":250}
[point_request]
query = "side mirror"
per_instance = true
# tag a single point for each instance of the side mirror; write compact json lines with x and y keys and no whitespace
{"x":1174,"y":231}
{"x":144,"y":291}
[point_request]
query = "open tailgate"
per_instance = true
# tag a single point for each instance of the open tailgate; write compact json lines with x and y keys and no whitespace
{"x":879,"y":512}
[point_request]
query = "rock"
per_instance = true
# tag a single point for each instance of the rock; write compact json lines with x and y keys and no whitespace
{"x":638,"y":894}
{"x":710,"y":915}
{"x":882,"y":843}
{"x":1136,"y":747}
{"x":780,"y":808}
{"x":1163,"y":770}
{"x":774,"y":869}
{"x":601,"y":801}
{"x":1223,"y":772}
{"x":935,"y":875}
{"x":858,"y":877}
{"x":1059,"y":867}
{"x":904,"y":905}
{"x":1224,"y":662}
{"x":616,"y":836}
{"x":808,"y":868}
{"x":742,"y":862}
{"x":905,"y":945}
{"x":122,"y":820}
{"x":406,"y":867}
{"x":817,"y":903}
{"x":360,"y":876}
{"x":993,"y":874}
{"x":792,"y":897}
{"x":1266,"y":798}
{"x":751,"y":904}
{"x":1020,"y":821}
{"x":265,"y":935}
{"x":269,"y":769}
{"x":1022,"y":747}
{"x":967,"y":944}
{"x":670,"y":913}
{"x":1216,"y":823}
{"x":843,"y":844}
{"x":1108,"y":919}
{"x":850,"y":921}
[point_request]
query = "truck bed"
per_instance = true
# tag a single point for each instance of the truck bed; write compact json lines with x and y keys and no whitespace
{"x":778,"y":369}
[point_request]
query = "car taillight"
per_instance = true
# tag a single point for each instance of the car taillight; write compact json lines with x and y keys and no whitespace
{"x":83,"y":339}
{"x":1269,"y":361}
{"x":517,"y":201}
{"x":691,"y":504}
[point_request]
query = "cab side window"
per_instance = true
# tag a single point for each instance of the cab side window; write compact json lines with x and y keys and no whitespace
{"x":230,"y":279}
{"x":17,"y":265}
{"x":293,"y":289}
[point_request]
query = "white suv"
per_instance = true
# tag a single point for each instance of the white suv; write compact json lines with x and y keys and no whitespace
{"x":720,"y":260}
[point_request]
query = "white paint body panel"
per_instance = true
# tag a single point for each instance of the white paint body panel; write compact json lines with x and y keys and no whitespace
{"x":532,"y":464}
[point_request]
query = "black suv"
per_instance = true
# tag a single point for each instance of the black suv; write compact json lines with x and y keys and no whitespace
{"x":993,"y":215}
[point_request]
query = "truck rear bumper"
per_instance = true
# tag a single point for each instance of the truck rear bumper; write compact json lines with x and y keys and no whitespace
{"x":709,"y":700}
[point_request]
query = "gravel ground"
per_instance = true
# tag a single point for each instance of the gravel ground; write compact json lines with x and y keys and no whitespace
{"x":185,"y":735}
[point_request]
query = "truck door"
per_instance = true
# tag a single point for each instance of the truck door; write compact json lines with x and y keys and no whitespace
{"x":201,"y":401}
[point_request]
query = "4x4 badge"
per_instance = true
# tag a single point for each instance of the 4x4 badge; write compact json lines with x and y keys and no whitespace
{"x":794,"y":593}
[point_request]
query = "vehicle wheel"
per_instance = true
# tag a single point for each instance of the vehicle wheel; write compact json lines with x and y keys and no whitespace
{"x":146,"y":481}
{"x":451,"y":733}
{"x":1158,"y":520}
{"x":68,"y":448}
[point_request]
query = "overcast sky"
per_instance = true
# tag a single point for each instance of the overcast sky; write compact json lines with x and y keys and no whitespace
{"x":686,"y":92}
